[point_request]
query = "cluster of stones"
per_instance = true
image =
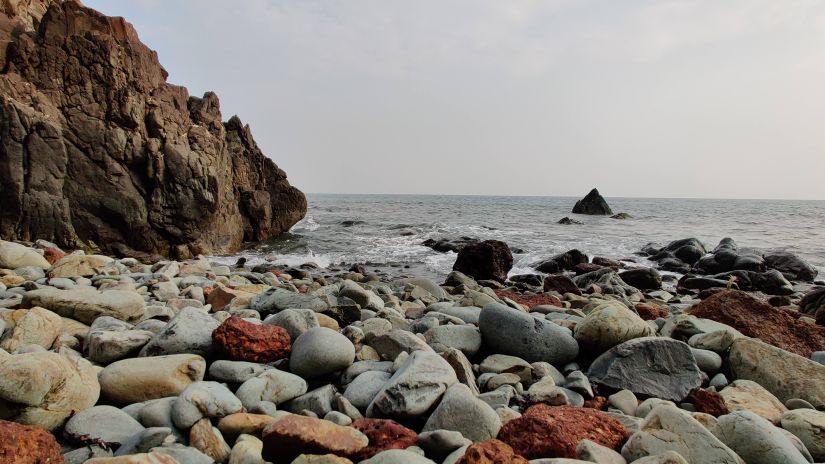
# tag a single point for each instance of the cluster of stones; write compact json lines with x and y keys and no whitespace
{"x":111,"y":361}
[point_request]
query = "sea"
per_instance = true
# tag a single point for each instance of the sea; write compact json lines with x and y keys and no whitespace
{"x":385,"y":232}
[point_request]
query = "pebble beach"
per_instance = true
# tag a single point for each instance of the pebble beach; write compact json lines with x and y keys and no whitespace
{"x":108,"y":360}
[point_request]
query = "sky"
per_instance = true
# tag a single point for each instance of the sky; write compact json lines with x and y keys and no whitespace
{"x":664,"y":98}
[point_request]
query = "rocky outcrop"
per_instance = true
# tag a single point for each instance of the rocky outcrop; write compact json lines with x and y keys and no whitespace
{"x":593,"y":204}
{"x":98,"y":150}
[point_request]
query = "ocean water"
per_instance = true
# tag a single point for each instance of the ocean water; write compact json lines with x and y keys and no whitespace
{"x":386,"y":231}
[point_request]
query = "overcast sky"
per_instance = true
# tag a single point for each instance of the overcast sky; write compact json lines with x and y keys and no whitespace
{"x":668,"y":98}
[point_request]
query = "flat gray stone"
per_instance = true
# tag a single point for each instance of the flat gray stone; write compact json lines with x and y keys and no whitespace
{"x":415,"y":387}
{"x":189,"y":332}
{"x":105,"y":424}
{"x":272,"y":385}
{"x":361,"y":391}
{"x":460,"y":410}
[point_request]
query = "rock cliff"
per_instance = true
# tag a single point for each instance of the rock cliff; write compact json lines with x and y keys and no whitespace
{"x":97,"y":149}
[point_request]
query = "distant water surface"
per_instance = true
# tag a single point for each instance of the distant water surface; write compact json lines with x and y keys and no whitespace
{"x":386,"y":231}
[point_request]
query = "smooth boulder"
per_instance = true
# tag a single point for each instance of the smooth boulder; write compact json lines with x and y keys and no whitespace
{"x":86,"y":305}
{"x":141,"y":379}
{"x":320,"y":351}
{"x":510,"y":331}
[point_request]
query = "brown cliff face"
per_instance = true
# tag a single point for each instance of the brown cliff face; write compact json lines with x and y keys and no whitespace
{"x":96,"y":148}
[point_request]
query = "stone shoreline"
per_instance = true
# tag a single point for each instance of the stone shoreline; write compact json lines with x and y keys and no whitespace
{"x":110,"y":360}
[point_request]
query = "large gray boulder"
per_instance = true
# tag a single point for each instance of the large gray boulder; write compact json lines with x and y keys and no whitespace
{"x":629,"y":366}
{"x":509,"y":331}
{"x":756,"y":440}
{"x":414,"y":388}
{"x":460,"y":410}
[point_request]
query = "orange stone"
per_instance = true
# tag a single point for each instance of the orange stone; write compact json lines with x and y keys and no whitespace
{"x":23,"y":444}
{"x":247,"y":341}
{"x":220,"y":297}
{"x":491,"y":452}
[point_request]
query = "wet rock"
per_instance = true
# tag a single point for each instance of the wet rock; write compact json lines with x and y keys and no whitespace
{"x":668,"y":428}
{"x":416,"y":386}
{"x":643,"y":278}
{"x":444,"y":245}
{"x":567,"y":221}
{"x":21,"y":444}
{"x":757,"y":319}
{"x":608,"y":325}
{"x":561,"y":283}
{"x":491,"y":452}
{"x":744,"y":395}
{"x":791,"y":266}
{"x":784,"y":374}
{"x":562,"y":262}
{"x":245,"y":341}
{"x":556,"y":431}
{"x":756,"y":440}
{"x":104,"y":425}
{"x":383,"y":435}
{"x":45,"y":388}
{"x":86,"y":305}
{"x":626,"y":366}
{"x":509,"y":331}
{"x":294,"y":435}
{"x":490,"y":259}
{"x":460,"y":410}
{"x":593,"y":203}
{"x":320,"y":351}
{"x":140,"y":379}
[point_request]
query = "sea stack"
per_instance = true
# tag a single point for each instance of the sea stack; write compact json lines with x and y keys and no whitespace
{"x":98,"y":150}
{"x":593,"y":204}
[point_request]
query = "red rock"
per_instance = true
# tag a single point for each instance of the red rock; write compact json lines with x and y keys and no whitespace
{"x":560,"y":283}
{"x":53,"y":254}
{"x":555,"y":431}
{"x":708,"y":402}
{"x":246,"y":341}
{"x":530,"y":299}
{"x":490,"y":259}
{"x":598,"y":402}
{"x":757,"y":319}
{"x":23,"y":444}
{"x":294,"y":435}
{"x":651,"y":312}
{"x":491,"y":452}
{"x":384,"y":434}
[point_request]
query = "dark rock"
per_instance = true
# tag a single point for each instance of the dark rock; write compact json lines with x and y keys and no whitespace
{"x":584,"y":268}
{"x":529,"y":279}
{"x":791,"y":266}
{"x":98,"y":147}
{"x":643,"y":279}
{"x":673,"y":264}
{"x":490,"y":259}
{"x":627,"y":366}
{"x":728,"y":257}
{"x":606,"y":262}
{"x":561,"y":283}
{"x":757,"y":319}
{"x":812,"y":301}
{"x":621,"y":216}
{"x":690,"y":282}
{"x":444,"y":245}
{"x":593,"y":204}
{"x":607,"y":280}
{"x":555,"y":431}
{"x":562,"y":262}
{"x":567,"y":221}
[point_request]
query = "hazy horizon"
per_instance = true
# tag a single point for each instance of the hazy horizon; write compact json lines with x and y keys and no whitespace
{"x":641,"y":99}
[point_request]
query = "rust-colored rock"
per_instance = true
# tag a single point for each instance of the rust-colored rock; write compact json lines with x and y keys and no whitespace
{"x":246,"y":341}
{"x":584,"y":268}
{"x":530,"y":299}
{"x":651,"y":312}
{"x":98,"y":147}
{"x":23,"y":444}
{"x":384,"y":434}
{"x":708,"y":402}
{"x":561,"y":283}
{"x":53,"y":254}
{"x":757,"y":319}
{"x":294,"y":435}
{"x":555,"y":431}
{"x":491,"y":452}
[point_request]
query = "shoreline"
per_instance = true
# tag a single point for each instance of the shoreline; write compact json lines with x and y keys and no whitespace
{"x":202,"y":362}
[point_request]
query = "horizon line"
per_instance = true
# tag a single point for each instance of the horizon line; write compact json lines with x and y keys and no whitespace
{"x":562,"y":196}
